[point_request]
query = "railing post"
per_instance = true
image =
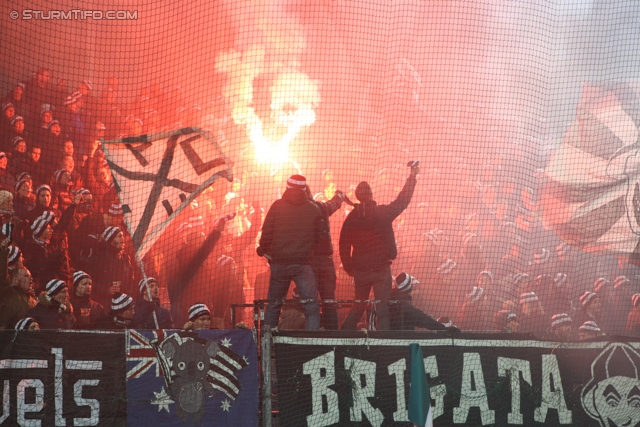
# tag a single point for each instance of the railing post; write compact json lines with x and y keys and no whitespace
{"x":266,"y":377}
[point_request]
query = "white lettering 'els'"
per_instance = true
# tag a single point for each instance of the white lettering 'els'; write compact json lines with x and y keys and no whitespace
{"x":471,"y":396}
{"x":23,"y":408}
{"x":320,"y":384}
{"x":360,"y":392}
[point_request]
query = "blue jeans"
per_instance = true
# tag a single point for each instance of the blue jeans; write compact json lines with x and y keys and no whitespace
{"x":302,"y":275}
{"x":381,"y":281}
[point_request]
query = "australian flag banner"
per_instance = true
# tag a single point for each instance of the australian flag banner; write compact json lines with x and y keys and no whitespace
{"x":189,"y":378}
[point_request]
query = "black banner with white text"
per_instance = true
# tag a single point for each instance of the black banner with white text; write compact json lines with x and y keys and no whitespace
{"x":62,"y":379}
{"x":326,"y":380}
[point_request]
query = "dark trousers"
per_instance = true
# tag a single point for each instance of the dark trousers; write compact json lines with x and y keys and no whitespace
{"x":381,"y":281}
{"x":325,"y":272}
{"x":303,"y":277}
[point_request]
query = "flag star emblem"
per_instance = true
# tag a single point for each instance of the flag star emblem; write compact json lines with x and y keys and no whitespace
{"x":226,"y":405}
{"x":163,"y":400}
{"x":226,"y":342}
{"x":245,"y":359}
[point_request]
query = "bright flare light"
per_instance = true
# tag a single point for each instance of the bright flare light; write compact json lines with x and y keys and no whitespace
{"x":293,"y":96}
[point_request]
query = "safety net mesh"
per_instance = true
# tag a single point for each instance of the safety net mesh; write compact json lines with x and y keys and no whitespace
{"x":150,"y":140}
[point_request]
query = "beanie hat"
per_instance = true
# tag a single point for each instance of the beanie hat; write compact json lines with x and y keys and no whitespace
{"x":600,"y":283}
{"x":528,"y":297}
{"x":635,"y":298}
{"x":7,"y":229}
{"x":58,"y":174}
{"x":297,"y":181}
{"x":16,"y":140}
{"x":558,"y":320}
{"x":79,"y":276}
{"x":519,"y":278}
{"x":502,"y":317}
{"x":40,"y":223}
{"x":53,"y":287}
{"x":24,"y":176}
{"x":110,"y":233}
{"x":587,"y":297}
{"x":14,"y":255}
{"x":541,"y":257}
{"x":23,"y":324}
{"x":72,"y":99}
{"x":197,"y":310}
{"x":589,"y":326}
{"x":560,"y":279}
{"x":405,"y":282}
{"x":115,"y":209}
{"x":476,"y":293}
{"x":363,"y":192}
{"x":19,"y":184}
{"x":6,"y":106}
{"x":83,"y":192}
{"x":144,"y":282}
{"x":619,"y":281}
{"x":51,"y":123}
{"x":485,"y":273}
{"x":16,"y":119}
{"x":447,"y":266}
{"x":120,"y":302}
{"x":42,"y":188}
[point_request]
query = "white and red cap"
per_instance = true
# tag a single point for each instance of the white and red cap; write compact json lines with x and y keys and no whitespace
{"x":297,"y":181}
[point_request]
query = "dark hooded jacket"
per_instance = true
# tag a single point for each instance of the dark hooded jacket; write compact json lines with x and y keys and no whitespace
{"x":367,"y":241}
{"x":292,"y":227}
{"x":144,"y":314}
{"x":324,"y":246}
{"x":86,"y":311}
{"x":404,"y":316}
{"x":50,"y":314}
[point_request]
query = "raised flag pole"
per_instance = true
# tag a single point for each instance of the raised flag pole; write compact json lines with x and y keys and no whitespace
{"x":420,"y":412}
{"x":144,"y":277}
{"x":148,"y":227}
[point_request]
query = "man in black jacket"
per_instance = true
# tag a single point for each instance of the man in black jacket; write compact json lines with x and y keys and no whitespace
{"x":53,"y":310}
{"x":147,"y":303}
{"x":367,"y":247}
{"x":292,"y":228}
{"x":404,"y":316}
{"x":121,"y":314}
{"x":322,"y":263}
{"x":86,"y":311}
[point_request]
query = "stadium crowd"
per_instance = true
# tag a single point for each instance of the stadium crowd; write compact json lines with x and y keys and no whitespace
{"x":472,"y":253}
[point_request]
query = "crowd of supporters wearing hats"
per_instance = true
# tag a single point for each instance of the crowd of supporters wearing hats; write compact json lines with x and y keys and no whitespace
{"x":481,"y":261}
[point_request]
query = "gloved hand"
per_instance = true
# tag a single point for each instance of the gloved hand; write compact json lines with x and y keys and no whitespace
{"x":260,"y":251}
{"x":340,"y":194}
